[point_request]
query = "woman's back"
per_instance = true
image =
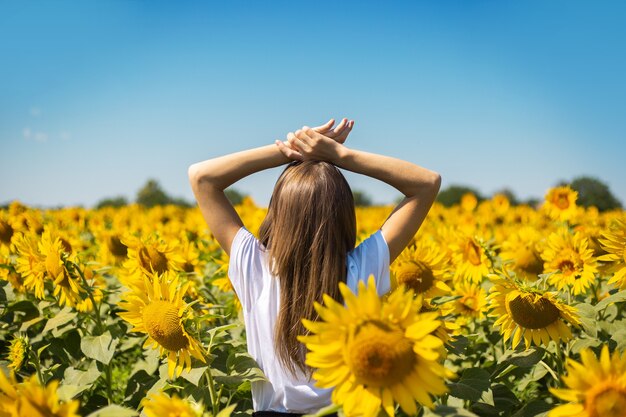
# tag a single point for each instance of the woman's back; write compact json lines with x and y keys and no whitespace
{"x":259,"y":292}
{"x":307,"y":236}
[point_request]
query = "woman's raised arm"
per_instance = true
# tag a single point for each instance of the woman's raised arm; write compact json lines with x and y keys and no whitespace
{"x":210,"y":178}
{"x":419,"y":185}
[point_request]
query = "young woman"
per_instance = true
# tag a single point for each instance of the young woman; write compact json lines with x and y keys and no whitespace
{"x":305,"y":246}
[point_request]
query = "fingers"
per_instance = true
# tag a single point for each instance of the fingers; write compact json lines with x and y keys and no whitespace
{"x":341,"y":138}
{"x":299,"y":141}
{"x":337,"y":130}
{"x":288,"y":152}
{"x":325,"y":127}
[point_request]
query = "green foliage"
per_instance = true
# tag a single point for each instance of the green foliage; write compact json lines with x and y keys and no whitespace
{"x":452,"y":194}
{"x":234,"y":196}
{"x":593,"y":192}
{"x":151,"y":194}
{"x":112,"y":202}
{"x":361,"y":198}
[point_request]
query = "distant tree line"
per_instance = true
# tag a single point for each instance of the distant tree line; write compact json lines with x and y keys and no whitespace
{"x":591,"y":192}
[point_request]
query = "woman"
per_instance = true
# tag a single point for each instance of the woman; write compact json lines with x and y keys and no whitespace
{"x":306,"y":245}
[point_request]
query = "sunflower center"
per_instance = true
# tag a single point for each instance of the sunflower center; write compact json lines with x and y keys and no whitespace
{"x":537,"y":314}
{"x":163,"y":325}
{"x":562,"y":201}
{"x":116,"y":247}
{"x":469,"y":303}
{"x":417,"y":276}
{"x":380,"y":356}
{"x":188,"y":267}
{"x":153,"y":260}
{"x":472,"y":252}
{"x":567,"y":267}
{"x":6,"y":232}
{"x":609,"y":402}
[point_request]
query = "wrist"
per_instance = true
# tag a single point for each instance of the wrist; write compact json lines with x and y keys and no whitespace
{"x":343,"y":154}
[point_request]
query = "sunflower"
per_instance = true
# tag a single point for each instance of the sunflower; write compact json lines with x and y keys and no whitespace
{"x":570,"y":260}
{"x":472,"y":263}
{"x":30,"y":399}
{"x":528,"y":313}
{"x":6,"y":230}
{"x":560,"y":203}
{"x":468,"y":202}
{"x":422,"y":268}
{"x":596,"y":387}
{"x":160,"y":312}
{"x":44,"y":259}
{"x":471,"y":305}
{"x":18,"y":352}
{"x":614,"y":242}
{"x":160,"y":404}
{"x":66,"y":287}
{"x":29,"y":262}
{"x":376,"y":352}
{"x":500,"y":203}
{"x":150,"y":256}
{"x":521,"y":250}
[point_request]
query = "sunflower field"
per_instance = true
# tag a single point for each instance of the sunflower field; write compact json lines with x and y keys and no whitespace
{"x":497,"y":310}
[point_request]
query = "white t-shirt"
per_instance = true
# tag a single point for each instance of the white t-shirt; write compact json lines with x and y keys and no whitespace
{"x":259,"y":293}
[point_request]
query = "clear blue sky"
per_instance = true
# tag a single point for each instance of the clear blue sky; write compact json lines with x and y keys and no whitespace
{"x":98,"y":96}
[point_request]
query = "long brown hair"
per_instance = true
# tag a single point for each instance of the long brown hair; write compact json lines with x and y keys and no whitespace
{"x":309,"y":229}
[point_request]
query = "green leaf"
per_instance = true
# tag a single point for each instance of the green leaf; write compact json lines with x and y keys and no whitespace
{"x":473,"y":382}
{"x":114,"y":410}
{"x":194,"y":374}
{"x":588,"y":314}
{"x":524,"y":359}
{"x":100,"y":348}
{"x":503,"y":398}
{"x":76,"y":381}
{"x":447,"y":411}
{"x":226,"y":412}
{"x":61,"y":318}
{"x":29,"y":309}
{"x":615,"y":298}
{"x":586,"y":342}
{"x":330,"y":409}
{"x":459,"y":345}
{"x":533,"y":408}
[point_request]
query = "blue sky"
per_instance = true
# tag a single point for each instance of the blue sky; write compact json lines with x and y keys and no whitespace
{"x":96,"y":97}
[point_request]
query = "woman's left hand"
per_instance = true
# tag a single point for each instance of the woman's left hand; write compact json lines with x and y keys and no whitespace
{"x":307,"y":144}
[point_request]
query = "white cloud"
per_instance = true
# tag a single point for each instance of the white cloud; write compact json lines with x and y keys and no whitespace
{"x":41,"y":137}
{"x":27,"y":133}
{"x":35,"y":111}
{"x":65,"y":135}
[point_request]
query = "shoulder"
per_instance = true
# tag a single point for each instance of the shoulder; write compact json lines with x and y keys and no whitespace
{"x":370,"y":257}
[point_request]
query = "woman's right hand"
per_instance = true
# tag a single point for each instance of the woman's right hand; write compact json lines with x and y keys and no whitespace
{"x":339,"y":133}
{"x":308,"y":144}
{"x":316,"y":143}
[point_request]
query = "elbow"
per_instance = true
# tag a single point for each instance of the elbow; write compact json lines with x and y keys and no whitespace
{"x":202,"y":176}
{"x":193,"y":175}
{"x":197,"y":177}
{"x":436,"y":182}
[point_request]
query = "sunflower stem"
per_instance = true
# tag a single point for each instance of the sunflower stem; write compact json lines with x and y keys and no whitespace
{"x":96,"y":306}
{"x":35,"y":356}
{"x":100,"y":330}
{"x":209,"y":378}
{"x":559,"y":358}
